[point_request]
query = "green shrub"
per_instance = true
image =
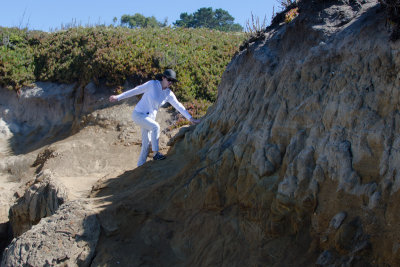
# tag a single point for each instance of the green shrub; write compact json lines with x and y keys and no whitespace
{"x":196,"y":108}
{"x":16,"y":59}
{"x":113,"y":55}
{"x":291,"y":14}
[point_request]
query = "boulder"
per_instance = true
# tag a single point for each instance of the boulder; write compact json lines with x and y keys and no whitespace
{"x":67,"y":238}
{"x":42,"y":197}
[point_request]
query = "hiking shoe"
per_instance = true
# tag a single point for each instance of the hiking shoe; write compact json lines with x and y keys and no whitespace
{"x":159,"y":156}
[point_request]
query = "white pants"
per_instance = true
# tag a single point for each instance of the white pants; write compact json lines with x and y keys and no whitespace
{"x":150,"y":131}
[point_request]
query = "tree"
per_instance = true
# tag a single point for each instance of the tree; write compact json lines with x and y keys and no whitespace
{"x":185,"y":21}
{"x":115,"y":21}
{"x":140,"y":21}
{"x":206,"y":17}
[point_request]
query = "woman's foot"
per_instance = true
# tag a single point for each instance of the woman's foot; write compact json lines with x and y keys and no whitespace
{"x":159,"y":156}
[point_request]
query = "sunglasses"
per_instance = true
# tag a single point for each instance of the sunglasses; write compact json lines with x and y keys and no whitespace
{"x":169,"y":79}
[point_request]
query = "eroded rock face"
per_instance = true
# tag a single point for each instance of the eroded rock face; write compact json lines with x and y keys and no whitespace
{"x":44,"y":113}
{"x":68,"y":238}
{"x":296,"y":164}
{"x":42,"y":197}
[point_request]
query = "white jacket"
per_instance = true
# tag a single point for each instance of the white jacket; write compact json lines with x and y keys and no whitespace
{"x":153,"y":97}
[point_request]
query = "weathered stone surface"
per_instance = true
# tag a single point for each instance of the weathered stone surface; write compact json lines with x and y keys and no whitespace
{"x":325,"y":259}
{"x":67,"y":238}
{"x":337,"y":220}
{"x":44,"y":111}
{"x":42,"y":197}
{"x":305,"y":130}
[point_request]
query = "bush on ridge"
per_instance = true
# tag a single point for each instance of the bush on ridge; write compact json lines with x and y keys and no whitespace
{"x":113,"y":55}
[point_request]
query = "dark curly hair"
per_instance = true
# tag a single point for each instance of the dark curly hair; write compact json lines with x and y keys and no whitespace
{"x":159,"y":76}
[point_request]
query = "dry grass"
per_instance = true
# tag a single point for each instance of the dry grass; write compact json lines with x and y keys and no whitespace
{"x":255,"y":27}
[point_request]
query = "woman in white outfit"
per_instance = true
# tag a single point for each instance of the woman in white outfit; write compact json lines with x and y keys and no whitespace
{"x":155,"y":93}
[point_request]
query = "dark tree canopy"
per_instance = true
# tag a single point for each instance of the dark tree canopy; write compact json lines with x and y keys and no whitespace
{"x":208,"y":18}
{"x":139,"y":21}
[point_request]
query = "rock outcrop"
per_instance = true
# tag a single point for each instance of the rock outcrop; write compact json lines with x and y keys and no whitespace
{"x":42,"y":198}
{"x":296,"y":164}
{"x":45,"y":113}
{"x":67,"y":238}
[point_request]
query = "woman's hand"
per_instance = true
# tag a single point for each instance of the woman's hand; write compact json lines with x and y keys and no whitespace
{"x":194,"y":121}
{"x":113,"y":98}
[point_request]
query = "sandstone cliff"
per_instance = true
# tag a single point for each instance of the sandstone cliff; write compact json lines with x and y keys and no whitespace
{"x":296,"y":164}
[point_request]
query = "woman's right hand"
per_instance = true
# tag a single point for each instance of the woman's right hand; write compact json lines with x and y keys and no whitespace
{"x":194,"y":121}
{"x":113,"y":98}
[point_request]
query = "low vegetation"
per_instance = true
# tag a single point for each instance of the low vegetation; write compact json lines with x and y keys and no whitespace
{"x":113,"y":55}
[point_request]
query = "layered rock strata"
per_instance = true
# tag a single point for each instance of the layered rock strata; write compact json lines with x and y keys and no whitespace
{"x":296,"y":164}
{"x":68,"y":238}
{"x":42,"y":198}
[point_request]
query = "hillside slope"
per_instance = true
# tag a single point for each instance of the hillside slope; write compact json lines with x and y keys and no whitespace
{"x":296,"y":164}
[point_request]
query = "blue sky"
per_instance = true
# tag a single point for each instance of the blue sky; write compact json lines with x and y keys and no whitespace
{"x":50,"y":15}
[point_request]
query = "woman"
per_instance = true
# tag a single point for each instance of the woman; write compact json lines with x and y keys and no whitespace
{"x":155,"y":93}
